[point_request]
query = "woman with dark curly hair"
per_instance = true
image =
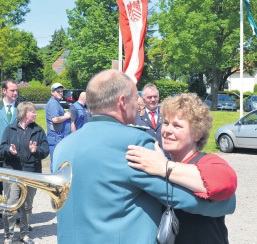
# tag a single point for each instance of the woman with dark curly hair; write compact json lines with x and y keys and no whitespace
{"x":185,"y":131}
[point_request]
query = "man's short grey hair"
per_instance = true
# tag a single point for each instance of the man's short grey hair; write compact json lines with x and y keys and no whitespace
{"x":104,"y":89}
{"x":149,"y":86}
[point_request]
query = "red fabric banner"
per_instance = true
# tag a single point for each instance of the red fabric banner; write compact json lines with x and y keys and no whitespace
{"x":133,"y":23}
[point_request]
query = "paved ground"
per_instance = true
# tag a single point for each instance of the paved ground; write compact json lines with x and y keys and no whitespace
{"x":242,"y":225}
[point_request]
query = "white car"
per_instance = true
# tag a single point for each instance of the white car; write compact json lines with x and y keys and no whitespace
{"x":241,"y":134}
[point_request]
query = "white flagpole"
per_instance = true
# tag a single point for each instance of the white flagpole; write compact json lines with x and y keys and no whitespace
{"x":241,"y":57}
{"x":120,"y":50}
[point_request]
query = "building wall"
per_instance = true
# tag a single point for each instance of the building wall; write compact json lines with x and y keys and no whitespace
{"x":234,"y":82}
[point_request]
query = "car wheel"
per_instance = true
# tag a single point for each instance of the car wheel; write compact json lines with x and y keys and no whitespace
{"x":225,"y":143}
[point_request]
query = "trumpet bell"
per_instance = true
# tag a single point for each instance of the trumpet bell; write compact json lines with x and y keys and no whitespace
{"x":56,"y":185}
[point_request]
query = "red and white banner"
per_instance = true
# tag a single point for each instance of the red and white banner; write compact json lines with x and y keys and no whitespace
{"x":133,"y":22}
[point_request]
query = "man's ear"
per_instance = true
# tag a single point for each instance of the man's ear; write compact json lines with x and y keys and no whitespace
{"x":122,"y":102}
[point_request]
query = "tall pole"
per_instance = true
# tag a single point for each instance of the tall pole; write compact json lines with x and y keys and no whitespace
{"x":120,"y":50}
{"x":241,"y":57}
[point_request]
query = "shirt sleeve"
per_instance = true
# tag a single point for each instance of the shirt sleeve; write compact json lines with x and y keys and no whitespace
{"x":219,"y":177}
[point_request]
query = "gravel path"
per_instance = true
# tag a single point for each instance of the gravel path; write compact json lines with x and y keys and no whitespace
{"x":242,"y":225}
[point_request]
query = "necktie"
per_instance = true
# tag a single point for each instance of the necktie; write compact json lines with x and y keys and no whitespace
{"x":9,"y":113}
{"x":152,"y":119}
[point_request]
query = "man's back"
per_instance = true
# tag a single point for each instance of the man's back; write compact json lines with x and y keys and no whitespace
{"x":112,"y":206}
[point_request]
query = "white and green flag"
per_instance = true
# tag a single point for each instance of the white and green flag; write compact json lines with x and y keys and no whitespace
{"x":250,"y":17}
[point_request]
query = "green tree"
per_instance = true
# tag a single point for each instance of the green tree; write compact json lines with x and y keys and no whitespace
{"x":94,"y":38}
{"x":10,"y":49}
{"x":12,"y":12}
{"x":31,"y":59}
{"x":199,"y":36}
{"x":52,"y":52}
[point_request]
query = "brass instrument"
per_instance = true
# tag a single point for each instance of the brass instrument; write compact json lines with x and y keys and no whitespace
{"x":56,"y":185}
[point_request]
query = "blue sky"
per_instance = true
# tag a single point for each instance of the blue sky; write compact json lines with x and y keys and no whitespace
{"x":45,"y":17}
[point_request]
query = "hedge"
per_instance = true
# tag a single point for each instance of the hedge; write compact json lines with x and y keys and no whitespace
{"x":35,"y":93}
{"x":167,"y":88}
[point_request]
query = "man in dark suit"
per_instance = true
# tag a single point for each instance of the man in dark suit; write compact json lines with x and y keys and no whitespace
{"x":150,"y":116}
{"x":7,"y":109}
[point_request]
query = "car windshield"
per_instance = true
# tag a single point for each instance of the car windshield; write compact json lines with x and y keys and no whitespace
{"x":254,"y":98}
{"x":224,"y":97}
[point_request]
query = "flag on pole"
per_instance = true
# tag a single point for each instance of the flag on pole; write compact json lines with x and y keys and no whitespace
{"x":250,"y":17}
{"x":133,"y":22}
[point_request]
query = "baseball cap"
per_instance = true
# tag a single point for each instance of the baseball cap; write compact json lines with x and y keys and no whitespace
{"x":55,"y":86}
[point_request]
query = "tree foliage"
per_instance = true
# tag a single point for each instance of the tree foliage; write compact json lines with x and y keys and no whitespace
{"x":52,"y":52}
{"x":12,"y":12}
{"x":199,"y":36}
{"x":93,"y":38}
{"x":30,"y":59}
{"x":10,"y":49}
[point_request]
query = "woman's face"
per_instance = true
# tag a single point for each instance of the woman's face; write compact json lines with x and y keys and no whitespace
{"x":177,"y":137}
{"x":31,"y":116}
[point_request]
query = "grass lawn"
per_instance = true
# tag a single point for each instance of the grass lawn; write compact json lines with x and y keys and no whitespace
{"x":219,"y":118}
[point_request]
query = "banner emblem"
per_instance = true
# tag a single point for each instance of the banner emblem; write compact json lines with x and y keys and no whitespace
{"x":134,"y":10}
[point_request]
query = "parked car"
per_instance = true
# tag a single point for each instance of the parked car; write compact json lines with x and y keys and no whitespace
{"x":250,"y":103}
{"x":224,"y":102}
{"x":241,"y":134}
{"x":69,"y":96}
{"x":235,"y":97}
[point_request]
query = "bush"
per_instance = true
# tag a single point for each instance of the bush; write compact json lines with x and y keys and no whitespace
{"x":35,"y":93}
{"x":167,"y":87}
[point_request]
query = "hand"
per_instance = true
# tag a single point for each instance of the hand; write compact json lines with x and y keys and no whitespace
{"x":13,"y":149}
{"x":151,"y":162}
{"x":33,"y":146}
{"x":67,"y":115}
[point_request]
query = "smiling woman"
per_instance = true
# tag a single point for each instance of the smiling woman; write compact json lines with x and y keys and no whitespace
{"x":185,"y":130}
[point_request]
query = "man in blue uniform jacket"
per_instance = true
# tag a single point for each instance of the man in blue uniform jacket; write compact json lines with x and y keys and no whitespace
{"x":109,"y":202}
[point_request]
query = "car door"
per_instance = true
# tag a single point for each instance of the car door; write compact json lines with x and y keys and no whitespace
{"x":246,"y":133}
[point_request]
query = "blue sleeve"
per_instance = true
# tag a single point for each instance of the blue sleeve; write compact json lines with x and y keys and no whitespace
{"x":53,"y":109}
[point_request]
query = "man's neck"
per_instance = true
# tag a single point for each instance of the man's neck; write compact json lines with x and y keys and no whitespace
{"x":7,"y":101}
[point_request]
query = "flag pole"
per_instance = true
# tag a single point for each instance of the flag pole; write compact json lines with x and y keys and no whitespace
{"x":120,"y":50}
{"x":241,"y":57}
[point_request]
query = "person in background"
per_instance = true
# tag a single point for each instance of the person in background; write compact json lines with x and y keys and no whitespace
{"x":185,"y":131}
{"x":23,"y":146}
{"x":141,"y":106}
{"x":120,"y":204}
{"x":57,"y":120}
{"x":79,"y":113}
{"x":150,"y":115}
{"x":7,"y":111}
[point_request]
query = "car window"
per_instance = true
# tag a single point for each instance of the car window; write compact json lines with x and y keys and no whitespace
{"x":251,"y":119}
{"x":224,"y":97}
